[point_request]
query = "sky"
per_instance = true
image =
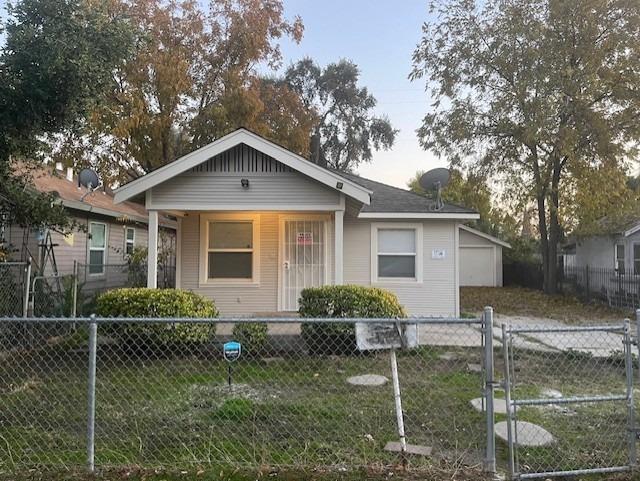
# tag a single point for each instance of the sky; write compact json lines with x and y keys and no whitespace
{"x":379,"y":36}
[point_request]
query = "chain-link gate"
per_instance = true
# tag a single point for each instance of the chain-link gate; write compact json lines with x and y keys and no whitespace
{"x":569,"y":400}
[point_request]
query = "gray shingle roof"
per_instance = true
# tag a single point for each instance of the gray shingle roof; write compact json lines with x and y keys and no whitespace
{"x":386,"y":198}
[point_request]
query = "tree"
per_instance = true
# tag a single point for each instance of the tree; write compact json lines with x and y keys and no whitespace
{"x":535,"y":91}
{"x":346,"y":130}
{"x":55,"y":64}
{"x":193,"y":78}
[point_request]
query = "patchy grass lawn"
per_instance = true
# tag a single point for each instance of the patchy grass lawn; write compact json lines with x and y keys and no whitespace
{"x":226,"y":473}
{"x":529,"y":302}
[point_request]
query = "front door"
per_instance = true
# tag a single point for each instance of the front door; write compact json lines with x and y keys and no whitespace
{"x":304,"y":258}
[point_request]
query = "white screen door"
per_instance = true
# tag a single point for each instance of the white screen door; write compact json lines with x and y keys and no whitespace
{"x":304,"y":259}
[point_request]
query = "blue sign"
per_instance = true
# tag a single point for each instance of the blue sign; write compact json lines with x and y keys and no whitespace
{"x":231,"y":350}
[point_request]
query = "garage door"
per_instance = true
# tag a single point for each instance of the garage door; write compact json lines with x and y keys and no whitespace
{"x":477,"y":266}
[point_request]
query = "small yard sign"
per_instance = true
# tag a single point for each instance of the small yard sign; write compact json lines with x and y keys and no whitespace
{"x":374,"y":336}
{"x":231,"y":351}
{"x":305,"y":238}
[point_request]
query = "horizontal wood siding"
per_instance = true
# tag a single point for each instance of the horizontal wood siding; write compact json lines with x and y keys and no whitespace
{"x":436,"y":296}
{"x":216,"y":183}
{"x":240,"y":300}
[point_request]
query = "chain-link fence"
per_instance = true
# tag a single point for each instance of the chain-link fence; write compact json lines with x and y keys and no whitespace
{"x":301,"y":393}
{"x":14,"y":281}
{"x":570,"y":408}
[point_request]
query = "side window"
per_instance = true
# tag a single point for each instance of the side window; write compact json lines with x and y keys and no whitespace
{"x":129,"y":240}
{"x":397,"y":253}
{"x":636,"y":259}
{"x":97,"y":247}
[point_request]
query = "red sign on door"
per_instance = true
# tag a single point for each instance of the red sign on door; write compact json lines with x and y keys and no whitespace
{"x":305,"y":238}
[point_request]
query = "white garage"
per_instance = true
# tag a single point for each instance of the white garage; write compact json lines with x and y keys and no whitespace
{"x":480,"y":258}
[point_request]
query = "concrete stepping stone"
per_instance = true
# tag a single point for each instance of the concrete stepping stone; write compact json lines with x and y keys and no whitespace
{"x":529,"y":434}
{"x":474,"y":367}
{"x":395,"y":447}
{"x":447,"y":356}
{"x":368,"y":380}
{"x":499,"y":405}
{"x":551,"y":394}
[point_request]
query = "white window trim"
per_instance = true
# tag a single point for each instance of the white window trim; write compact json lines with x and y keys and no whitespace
{"x":205,"y":219}
{"x":633,"y":258}
{"x":418,"y":228}
{"x":615,"y":255}
{"x":126,"y":240}
{"x":103,"y":249}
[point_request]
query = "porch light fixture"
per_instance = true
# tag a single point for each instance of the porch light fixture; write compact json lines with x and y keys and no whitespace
{"x":339,"y":185}
{"x":244,"y":183}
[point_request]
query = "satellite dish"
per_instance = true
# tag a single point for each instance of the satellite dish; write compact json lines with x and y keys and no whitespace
{"x":435,"y":180}
{"x":89,"y":179}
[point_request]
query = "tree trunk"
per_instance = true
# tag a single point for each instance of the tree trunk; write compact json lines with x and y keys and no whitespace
{"x":544,"y":239}
{"x":551,"y":283}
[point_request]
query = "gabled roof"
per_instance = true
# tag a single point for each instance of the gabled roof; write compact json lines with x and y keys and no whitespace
{"x":243,"y":136}
{"x":484,"y":235}
{"x":390,"y":202}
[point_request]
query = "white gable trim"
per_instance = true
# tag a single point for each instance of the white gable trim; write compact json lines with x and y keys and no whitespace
{"x":632,"y":231}
{"x":490,"y":238}
{"x":418,"y":215}
{"x":229,"y":141}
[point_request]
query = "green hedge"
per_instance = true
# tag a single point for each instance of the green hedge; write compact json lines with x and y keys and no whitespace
{"x":343,"y":301}
{"x":170,"y":303}
{"x":252,"y":336}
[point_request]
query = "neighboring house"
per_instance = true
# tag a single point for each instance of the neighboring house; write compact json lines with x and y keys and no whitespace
{"x":101,"y":248}
{"x":480,"y":258}
{"x":258,"y":223}
{"x":619,"y":249}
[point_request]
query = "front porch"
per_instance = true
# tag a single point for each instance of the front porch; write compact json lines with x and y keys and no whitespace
{"x":253,"y":262}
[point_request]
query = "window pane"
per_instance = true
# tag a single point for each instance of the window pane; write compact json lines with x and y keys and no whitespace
{"x":636,"y":251}
{"x":396,"y":240}
{"x":129,"y":248}
{"x":230,"y":235}
{"x":97,"y":235}
{"x":96,"y":261}
{"x":397,"y":266}
{"x":230,"y":265}
{"x":130,"y":234}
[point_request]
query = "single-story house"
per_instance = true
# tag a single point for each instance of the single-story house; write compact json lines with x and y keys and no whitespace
{"x":617,"y":249}
{"x":480,"y":258}
{"x":109,"y":234}
{"x":258,"y":223}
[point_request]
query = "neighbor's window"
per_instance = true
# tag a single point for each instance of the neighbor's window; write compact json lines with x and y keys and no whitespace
{"x":230,"y":250}
{"x":619,"y":257}
{"x":97,"y":247}
{"x":129,"y":240}
{"x":636,"y":259}
{"x":397,"y":253}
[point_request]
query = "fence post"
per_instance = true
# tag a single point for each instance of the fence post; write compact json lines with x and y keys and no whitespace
{"x":27,"y":285}
{"x":489,"y":387}
{"x":74,"y":295}
{"x":507,"y":398}
{"x":630,"y":406}
{"x":91,"y":394}
{"x":638,"y":334}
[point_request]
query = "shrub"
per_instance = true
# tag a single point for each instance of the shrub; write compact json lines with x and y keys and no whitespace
{"x":342,"y":301}
{"x":252,"y":336}
{"x":143,"y":302}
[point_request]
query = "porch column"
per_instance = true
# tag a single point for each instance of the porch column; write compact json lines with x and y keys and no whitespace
{"x":152,"y":257}
{"x":338,"y":247}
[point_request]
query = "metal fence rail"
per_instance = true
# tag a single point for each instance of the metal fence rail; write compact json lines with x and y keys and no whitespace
{"x":158,"y":392}
{"x":569,"y":400}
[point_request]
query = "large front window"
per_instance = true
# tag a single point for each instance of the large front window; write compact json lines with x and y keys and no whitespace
{"x":97,"y":247}
{"x":230,"y":251}
{"x":229,"y":248}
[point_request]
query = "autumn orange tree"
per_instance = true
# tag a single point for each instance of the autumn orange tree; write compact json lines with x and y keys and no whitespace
{"x":194,"y":77}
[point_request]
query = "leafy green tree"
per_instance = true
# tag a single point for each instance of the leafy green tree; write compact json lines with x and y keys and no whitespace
{"x":346,"y":131}
{"x":538,"y":92}
{"x":57,"y":60}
